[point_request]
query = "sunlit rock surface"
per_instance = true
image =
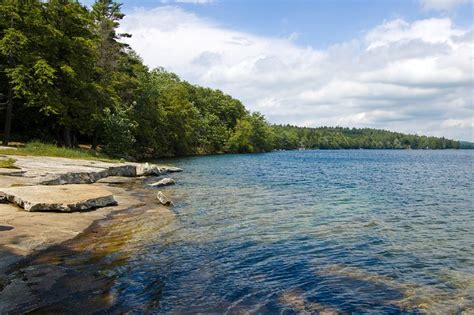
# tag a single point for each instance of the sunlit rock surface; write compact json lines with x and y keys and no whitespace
{"x":61,"y":171}
{"x":163,"y":199}
{"x":163,"y":182}
{"x":64,"y":198}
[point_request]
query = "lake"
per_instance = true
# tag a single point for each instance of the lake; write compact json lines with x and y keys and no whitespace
{"x":357,"y":231}
{"x":308,"y":231}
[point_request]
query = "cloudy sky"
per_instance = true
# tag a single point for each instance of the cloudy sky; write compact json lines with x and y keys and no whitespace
{"x":402,"y":65}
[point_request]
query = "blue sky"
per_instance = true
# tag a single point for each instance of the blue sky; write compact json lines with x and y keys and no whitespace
{"x":317,"y":23}
{"x":400,"y":65}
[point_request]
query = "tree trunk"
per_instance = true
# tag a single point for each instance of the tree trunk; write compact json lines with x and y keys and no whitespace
{"x":8,"y":118}
{"x":95,"y":140}
{"x":67,"y":137}
{"x":74,"y":140}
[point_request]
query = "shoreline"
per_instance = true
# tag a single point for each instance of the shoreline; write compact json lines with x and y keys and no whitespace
{"x":31,"y":242}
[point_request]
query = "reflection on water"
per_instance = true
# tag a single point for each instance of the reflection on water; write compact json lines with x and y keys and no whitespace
{"x":291,"y":232}
{"x":346,"y":231}
{"x":296,"y":301}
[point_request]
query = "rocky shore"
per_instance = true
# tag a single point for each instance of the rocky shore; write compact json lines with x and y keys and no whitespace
{"x":48,"y":201}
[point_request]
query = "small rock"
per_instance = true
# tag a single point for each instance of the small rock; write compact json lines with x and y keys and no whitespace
{"x":163,"y":199}
{"x":172,"y":169}
{"x":163,"y":182}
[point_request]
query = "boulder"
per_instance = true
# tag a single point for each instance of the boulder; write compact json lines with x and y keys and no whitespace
{"x":147,"y":170}
{"x":163,"y":182}
{"x":163,"y":199}
{"x":65,"y":198}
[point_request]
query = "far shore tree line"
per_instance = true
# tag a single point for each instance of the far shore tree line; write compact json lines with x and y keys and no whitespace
{"x":66,"y":78}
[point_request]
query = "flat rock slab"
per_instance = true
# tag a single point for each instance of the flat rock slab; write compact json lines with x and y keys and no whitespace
{"x":65,"y":198}
{"x":62,"y":171}
{"x":11,"y":171}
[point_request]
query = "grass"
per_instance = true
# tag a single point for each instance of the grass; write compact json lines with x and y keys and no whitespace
{"x":7,"y":163}
{"x":43,"y":149}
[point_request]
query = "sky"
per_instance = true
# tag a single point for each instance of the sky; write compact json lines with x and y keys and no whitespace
{"x":405,"y":65}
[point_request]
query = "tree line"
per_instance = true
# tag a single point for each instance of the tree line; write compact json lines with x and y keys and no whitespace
{"x":67,"y":78}
{"x":292,"y":137}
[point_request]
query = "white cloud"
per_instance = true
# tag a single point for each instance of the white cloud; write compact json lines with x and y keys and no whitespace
{"x":441,"y":5}
{"x":432,"y":31}
{"x":412,"y":77}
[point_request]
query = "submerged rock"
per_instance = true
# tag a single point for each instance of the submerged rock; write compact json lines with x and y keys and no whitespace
{"x":116,"y":180}
{"x":163,"y":199}
{"x":163,"y":182}
{"x":64,"y":198}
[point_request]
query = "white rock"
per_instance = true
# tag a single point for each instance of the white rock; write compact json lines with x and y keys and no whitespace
{"x":163,"y":182}
{"x":163,"y":199}
{"x":171,"y":169}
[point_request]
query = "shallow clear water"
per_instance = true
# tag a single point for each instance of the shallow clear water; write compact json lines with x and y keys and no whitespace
{"x":308,"y":231}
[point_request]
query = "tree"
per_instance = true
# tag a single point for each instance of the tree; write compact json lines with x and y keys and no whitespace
{"x":106,"y":15}
{"x":54,"y":71}
{"x":252,"y":134}
{"x":241,"y":140}
{"x":18,"y":32}
{"x":118,"y":133}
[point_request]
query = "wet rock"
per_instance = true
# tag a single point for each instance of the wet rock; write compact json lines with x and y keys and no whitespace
{"x":64,"y":198}
{"x":6,"y":228}
{"x":163,"y":199}
{"x":171,"y":169}
{"x":163,"y":182}
{"x":29,"y":285}
{"x":116,"y":180}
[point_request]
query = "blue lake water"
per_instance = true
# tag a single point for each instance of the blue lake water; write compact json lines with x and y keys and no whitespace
{"x":292,"y":232}
{"x":312,"y":231}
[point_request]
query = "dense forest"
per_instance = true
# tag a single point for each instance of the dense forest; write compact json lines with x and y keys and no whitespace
{"x":67,"y":78}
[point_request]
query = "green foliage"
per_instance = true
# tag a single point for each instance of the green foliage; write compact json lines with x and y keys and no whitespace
{"x":252,"y":134}
{"x":241,"y":139}
{"x":118,"y":133}
{"x":353,"y":138}
{"x":71,"y":80}
{"x":13,"y":42}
